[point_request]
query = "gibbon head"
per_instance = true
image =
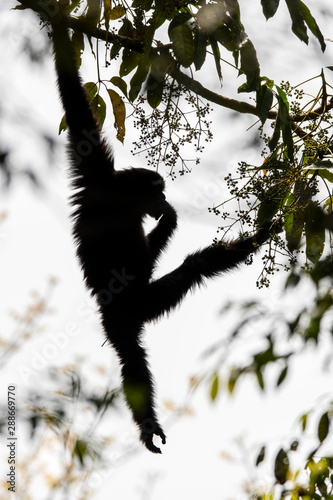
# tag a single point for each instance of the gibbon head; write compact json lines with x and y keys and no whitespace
{"x":143,"y":190}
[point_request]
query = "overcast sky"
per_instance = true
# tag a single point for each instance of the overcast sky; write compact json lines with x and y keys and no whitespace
{"x":35,"y":243}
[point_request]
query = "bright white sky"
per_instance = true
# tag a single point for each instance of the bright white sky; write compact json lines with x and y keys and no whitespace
{"x":35,"y":243}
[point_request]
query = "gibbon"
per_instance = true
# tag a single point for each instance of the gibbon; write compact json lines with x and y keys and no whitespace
{"x":116,"y":256}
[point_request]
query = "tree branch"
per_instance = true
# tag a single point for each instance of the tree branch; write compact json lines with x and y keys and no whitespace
{"x":48,"y":9}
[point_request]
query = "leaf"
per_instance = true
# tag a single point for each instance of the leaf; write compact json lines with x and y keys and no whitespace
{"x":117,"y":12}
{"x":282,"y":376}
{"x":249,"y":66}
{"x":179,"y":19}
{"x":215,"y":387}
{"x":264,"y":102}
{"x":314,"y":232}
{"x":269,"y":7}
{"x":200,"y":48}
{"x":107,"y":13}
{"x":137,"y":79}
{"x":322,"y":270}
{"x":93,"y":14}
{"x":260,"y":379}
{"x":142,"y":4}
{"x":323,"y":427}
{"x":304,"y":421}
{"x":294,"y":445}
{"x":285,"y":122}
{"x":129,"y":61}
{"x":62,"y":125}
{"x":261,"y":456}
{"x":312,"y":25}
{"x":318,"y":165}
{"x":272,"y":143}
{"x":217,"y":56}
{"x":298,"y":27}
{"x":292,"y":281}
{"x":182,"y":44}
{"x":126,"y":29}
{"x":120,"y":83}
{"x":272,"y":202}
{"x":155,"y":88}
{"x":315,"y":242}
{"x":233,"y":378}
{"x":293,"y":224}
{"x":281,"y":466}
{"x":92,"y":89}
{"x":99,"y":109}
{"x":119,"y":112}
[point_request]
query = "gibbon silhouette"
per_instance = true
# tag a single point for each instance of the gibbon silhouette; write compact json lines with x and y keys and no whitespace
{"x":116,"y":257}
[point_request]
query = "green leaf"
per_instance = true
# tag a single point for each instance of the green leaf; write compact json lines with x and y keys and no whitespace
{"x":293,"y":224}
{"x":93,"y":14}
{"x":137,"y":80}
{"x":126,"y":29}
{"x":200,"y":48}
{"x":182,"y":44}
{"x":120,"y":83}
{"x":323,"y":427}
{"x":322,"y":164}
{"x":156,"y":79}
{"x":249,"y":66}
{"x":298,"y":25}
{"x":304,"y":421}
{"x":285,"y":122}
{"x":231,"y":37}
{"x":99,"y":109}
{"x":312,"y":25}
{"x":272,"y":202}
{"x":282,"y":376}
{"x":260,"y":379}
{"x":325,"y":174}
{"x":92,"y":90}
{"x":178,"y":20}
{"x":215,"y":387}
{"x":217,"y":56}
{"x":264,"y":102}
{"x":130,"y":61}
{"x":314,"y":232}
{"x":155,"y":88}
{"x":292,"y":281}
{"x":119,"y":112}
{"x":261,"y":456}
{"x":62,"y":125}
{"x":269,"y":7}
{"x":107,"y":13}
{"x":272,"y":143}
{"x":233,"y":378}
{"x":117,"y":12}
{"x":322,"y":270}
{"x":281,"y":466}
{"x":142,"y":4}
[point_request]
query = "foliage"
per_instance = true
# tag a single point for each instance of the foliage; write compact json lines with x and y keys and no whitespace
{"x":153,"y":40}
{"x":60,"y":416}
